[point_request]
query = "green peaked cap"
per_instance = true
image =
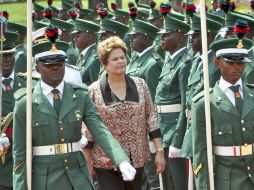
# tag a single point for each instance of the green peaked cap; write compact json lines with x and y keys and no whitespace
{"x":211,"y":25}
{"x":108,"y":25}
{"x":85,"y":25}
{"x":216,"y":18}
{"x":63,"y":25}
{"x":39,"y":24}
{"x":144,"y":28}
{"x":173,"y":24}
{"x":15,"y":27}
{"x":9,"y":39}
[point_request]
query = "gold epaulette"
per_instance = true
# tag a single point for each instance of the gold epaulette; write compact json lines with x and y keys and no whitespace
{"x":24,"y":75}
{"x":6,"y":121}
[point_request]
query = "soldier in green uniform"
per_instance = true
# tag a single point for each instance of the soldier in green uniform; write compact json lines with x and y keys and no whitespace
{"x":20,"y":57}
{"x":72,"y":53}
{"x":195,"y":79}
{"x":232,"y":113}
{"x":85,"y":38}
{"x":59,"y":108}
{"x":11,"y":83}
{"x":146,"y":64}
{"x":170,"y":100}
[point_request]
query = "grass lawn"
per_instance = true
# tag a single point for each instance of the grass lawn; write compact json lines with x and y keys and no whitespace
{"x":17,"y":11}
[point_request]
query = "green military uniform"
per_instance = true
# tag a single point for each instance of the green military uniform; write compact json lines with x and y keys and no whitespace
{"x":7,"y":109}
{"x":149,"y":63}
{"x":88,"y":61}
{"x":20,"y":57}
{"x":231,"y":129}
{"x":72,"y":53}
{"x":171,"y":92}
{"x":58,"y":168}
{"x":154,"y":14}
{"x":196,"y":80}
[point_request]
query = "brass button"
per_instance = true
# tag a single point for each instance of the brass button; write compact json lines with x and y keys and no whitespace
{"x":245,"y":144}
{"x":60,"y":122}
{"x":65,"y":161}
{"x":242,"y":121}
{"x":62,"y":139}
{"x":248,"y":167}
{"x":249,"y":175}
{"x":220,"y":133}
{"x":66,"y":167}
{"x":36,"y":124}
{"x":243,"y":129}
{"x":61,"y":128}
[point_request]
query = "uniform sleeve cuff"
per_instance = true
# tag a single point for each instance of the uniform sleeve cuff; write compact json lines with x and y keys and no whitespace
{"x":155,"y":134}
{"x":90,"y":144}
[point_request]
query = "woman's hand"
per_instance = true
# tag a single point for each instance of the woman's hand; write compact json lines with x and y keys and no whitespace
{"x":160,"y":162}
{"x":90,"y":169}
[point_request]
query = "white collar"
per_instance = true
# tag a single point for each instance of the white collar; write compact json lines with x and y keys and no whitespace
{"x":146,"y":50}
{"x":46,"y":89}
{"x":11,"y":76}
{"x":85,"y":50}
{"x":224,"y":85}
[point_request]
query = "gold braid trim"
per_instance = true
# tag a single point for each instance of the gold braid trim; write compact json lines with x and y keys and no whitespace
{"x":6,"y":121}
{"x":15,"y":168}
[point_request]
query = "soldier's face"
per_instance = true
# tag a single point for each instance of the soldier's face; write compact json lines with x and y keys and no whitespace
{"x":138,"y":42}
{"x":117,"y":62}
{"x":230,"y":71}
{"x":51,"y":74}
{"x":8,"y":64}
{"x":196,"y":42}
{"x":82,"y":40}
{"x":169,"y":41}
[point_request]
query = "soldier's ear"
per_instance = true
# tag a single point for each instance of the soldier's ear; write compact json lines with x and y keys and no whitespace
{"x":37,"y":67}
{"x":218,"y":61}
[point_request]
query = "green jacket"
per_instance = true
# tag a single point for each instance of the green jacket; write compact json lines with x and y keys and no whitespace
{"x":72,"y":54}
{"x":171,"y":90}
{"x":7,"y":107}
{"x":62,"y":171}
{"x":229,"y":128}
{"x":89,"y":65}
{"x":148,"y":67}
{"x":195,"y":86}
{"x":20,"y":59}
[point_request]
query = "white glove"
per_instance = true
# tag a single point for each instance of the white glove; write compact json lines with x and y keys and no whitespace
{"x":174,"y":152}
{"x":83,"y":142}
{"x":128,"y":172}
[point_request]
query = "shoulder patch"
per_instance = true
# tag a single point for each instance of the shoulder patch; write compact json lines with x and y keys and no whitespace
{"x":80,"y":86}
{"x":20,"y":93}
{"x":200,"y":95}
{"x":72,"y":66}
{"x":24,"y":75}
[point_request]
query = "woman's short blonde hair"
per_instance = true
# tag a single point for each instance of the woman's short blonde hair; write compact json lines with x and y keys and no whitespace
{"x":106,"y":46}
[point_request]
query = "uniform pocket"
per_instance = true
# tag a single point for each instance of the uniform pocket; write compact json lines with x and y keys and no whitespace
{"x":222,"y":135}
{"x":41,"y":122}
{"x":222,"y":177}
{"x":39,"y":178}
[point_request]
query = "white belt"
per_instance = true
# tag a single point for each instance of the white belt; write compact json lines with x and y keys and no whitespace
{"x":169,"y":108}
{"x":188,"y":113}
{"x":243,"y":150}
{"x":56,"y":149}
